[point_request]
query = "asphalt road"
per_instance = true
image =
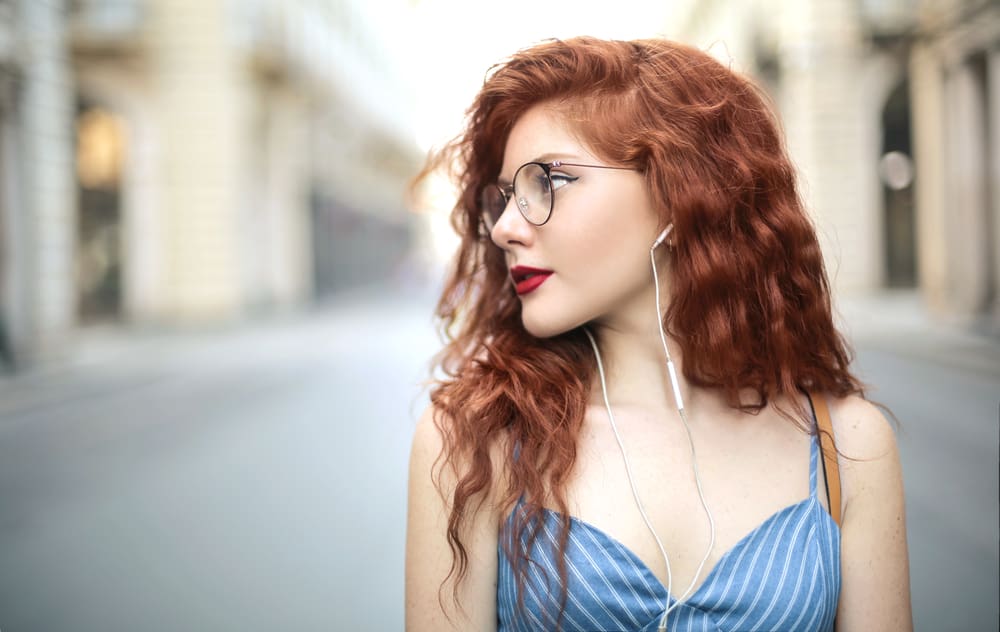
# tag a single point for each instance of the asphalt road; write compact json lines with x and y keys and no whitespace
{"x":255,"y":478}
{"x":944,"y":389}
{"x":244,"y":480}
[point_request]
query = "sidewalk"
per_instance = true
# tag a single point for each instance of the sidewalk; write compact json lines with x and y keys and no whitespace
{"x":898,"y":322}
{"x":121,"y":357}
{"x":111,"y":358}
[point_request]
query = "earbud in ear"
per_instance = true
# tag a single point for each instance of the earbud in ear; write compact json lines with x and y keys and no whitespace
{"x":662,"y":236}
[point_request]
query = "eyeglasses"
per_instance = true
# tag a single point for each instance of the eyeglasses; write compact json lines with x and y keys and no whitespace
{"x":532,"y":189}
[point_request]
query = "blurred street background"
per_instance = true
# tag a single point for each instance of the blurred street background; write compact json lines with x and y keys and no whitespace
{"x":216,"y":293}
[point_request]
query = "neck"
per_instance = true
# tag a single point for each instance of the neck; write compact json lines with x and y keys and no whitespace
{"x":635,"y":366}
{"x":632,"y":352}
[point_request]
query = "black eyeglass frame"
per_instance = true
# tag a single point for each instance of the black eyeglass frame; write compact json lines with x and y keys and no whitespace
{"x":508,"y":191}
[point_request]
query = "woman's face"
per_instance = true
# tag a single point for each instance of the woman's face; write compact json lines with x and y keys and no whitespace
{"x":596,"y":242}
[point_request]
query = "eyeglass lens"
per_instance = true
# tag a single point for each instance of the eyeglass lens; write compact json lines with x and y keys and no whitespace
{"x":532,"y":195}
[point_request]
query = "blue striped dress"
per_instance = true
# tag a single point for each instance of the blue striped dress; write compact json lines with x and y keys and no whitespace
{"x":784,"y":575}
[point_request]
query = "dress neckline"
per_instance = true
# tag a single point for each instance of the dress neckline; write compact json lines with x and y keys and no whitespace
{"x":810,"y":503}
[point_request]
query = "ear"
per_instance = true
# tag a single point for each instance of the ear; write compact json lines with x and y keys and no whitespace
{"x":662,"y":236}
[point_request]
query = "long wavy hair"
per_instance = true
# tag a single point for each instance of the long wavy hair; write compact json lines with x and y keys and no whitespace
{"x":749,"y":301}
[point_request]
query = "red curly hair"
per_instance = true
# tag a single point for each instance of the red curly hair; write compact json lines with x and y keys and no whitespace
{"x":749,"y":298}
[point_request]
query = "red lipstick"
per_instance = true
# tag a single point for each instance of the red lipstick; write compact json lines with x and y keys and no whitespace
{"x":527,"y":279}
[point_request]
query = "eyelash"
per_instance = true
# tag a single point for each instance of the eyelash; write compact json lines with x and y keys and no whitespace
{"x":559,"y":180}
{"x":563,"y":178}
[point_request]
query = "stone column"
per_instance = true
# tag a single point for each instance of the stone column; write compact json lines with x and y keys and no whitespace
{"x":993,"y":124}
{"x":824,"y":112}
{"x":45,"y":141}
{"x":289,"y":264}
{"x":967,"y":230}
{"x":201,"y":89}
{"x":928,"y":116}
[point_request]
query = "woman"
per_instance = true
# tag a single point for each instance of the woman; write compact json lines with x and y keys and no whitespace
{"x":588,"y":463}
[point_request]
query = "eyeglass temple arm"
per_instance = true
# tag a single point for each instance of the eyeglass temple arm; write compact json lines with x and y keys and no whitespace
{"x":560,"y":163}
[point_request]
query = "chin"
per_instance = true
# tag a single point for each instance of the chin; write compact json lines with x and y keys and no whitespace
{"x":548,"y":326}
{"x":542,"y":331}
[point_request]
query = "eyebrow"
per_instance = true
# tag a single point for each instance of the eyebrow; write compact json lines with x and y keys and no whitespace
{"x":552,"y":157}
{"x":546,"y":158}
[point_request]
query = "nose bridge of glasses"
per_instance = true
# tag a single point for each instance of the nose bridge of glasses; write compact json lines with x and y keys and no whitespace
{"x":506,"y":191}
{"x":494,"y":211}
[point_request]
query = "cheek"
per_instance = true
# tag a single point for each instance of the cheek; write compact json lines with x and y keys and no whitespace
{"x":601,"y":222}
{"x":620,"y":228}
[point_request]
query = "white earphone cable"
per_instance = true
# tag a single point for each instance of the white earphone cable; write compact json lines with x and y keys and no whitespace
{"x":694,"y":459}
{"x":628,"y":468}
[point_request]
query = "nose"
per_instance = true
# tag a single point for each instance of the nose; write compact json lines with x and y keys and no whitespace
{"x":511,"y":227}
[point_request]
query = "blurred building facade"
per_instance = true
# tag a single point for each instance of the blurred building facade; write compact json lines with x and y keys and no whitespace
{"x":188,"y":161}
{"x":891,"y":110}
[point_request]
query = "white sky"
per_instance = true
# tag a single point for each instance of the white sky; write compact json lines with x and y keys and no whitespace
{"x":454,"y":42}
{"x":449,"y":45}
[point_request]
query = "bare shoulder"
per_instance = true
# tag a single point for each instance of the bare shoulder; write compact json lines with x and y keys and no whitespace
{"x":428,"y":437}
{"x":875,"y":588}
{"x":431,"y":555}
{"x":860,"y":429}
{"x":429,"y":460}
{"x":866,"y":451}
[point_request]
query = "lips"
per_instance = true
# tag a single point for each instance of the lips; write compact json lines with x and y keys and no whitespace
{"x":527,"y":279}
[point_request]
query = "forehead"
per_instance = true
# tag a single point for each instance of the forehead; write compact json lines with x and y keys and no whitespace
{"x":541,"y":134}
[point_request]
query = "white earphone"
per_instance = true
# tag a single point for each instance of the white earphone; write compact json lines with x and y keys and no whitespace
{"x":656,"y":280}
{"x":662,"y":236}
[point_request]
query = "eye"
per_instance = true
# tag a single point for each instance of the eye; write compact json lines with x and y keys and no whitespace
{"x":539,"y":182}
{"x":560,"y":180}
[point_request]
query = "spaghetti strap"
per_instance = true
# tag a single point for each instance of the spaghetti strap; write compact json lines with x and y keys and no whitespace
{"x":815,"y":452}
{"x":813,"y":464}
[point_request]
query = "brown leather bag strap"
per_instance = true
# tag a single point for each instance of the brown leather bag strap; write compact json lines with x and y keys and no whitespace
{"x":831,"y":470}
